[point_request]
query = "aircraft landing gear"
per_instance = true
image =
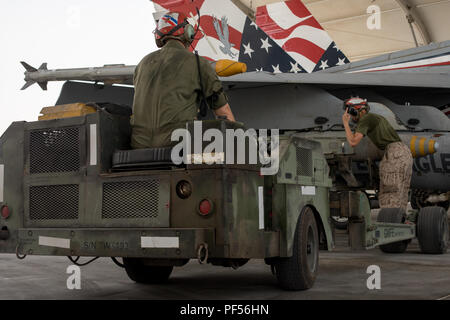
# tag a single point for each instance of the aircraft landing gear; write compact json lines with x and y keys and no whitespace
{"x":419,"y":200}
{"x":433,"y":230}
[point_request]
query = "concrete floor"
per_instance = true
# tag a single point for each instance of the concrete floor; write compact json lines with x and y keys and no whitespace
{"x":342,"y":275}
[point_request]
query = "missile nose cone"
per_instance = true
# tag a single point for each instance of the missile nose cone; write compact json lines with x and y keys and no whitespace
{"x":421,"y":146}
{"x":436,"y":146}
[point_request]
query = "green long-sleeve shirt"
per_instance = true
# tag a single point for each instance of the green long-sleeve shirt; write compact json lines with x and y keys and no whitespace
{"x":167,"y":94}
{"x":378,"y":129}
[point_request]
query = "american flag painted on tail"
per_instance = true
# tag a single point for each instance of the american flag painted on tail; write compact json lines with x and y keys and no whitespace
{"x":294,"y":29}
{"x":285,"y":37}
{"x":260,"y":53}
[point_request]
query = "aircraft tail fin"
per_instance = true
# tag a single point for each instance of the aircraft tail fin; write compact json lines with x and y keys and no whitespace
{"x":284,"y":38}
{"x":294,"y":28}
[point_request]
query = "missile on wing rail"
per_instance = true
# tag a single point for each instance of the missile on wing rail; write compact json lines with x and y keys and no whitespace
{"x":335,"y":142}
{"x":109,"y":74}
{"x":419,"y":146}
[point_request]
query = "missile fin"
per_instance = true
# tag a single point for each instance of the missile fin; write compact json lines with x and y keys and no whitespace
{"x":43,"y":85}
{"x":43,"y":67}
{"x":28,"y":67}
{"x":27,"y":84}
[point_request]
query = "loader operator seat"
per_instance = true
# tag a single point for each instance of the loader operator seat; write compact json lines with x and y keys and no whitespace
{"x":142,"y":158}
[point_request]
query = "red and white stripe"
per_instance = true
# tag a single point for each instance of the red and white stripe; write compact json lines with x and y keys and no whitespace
{"x":292,"y":27}
{"x":210,"y":44}
{"x":422,"y":63}
{"x":447,"y":112}
{"x":289,"y":24}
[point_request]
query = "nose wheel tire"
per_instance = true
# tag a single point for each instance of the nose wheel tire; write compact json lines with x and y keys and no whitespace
{"x":299,"y":271}
{"x":141,"y":273}
{"x":393,"y":215}
{"x":433,"y":230}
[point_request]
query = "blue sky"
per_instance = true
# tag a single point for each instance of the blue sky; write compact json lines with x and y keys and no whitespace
{"x":65,"y":34}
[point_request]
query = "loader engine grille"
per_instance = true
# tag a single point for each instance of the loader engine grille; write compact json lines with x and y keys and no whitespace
{"x":304,"y":162}
{"x":54,"y":150}
{"x":130,"y":199}
{"x":58,"y":202}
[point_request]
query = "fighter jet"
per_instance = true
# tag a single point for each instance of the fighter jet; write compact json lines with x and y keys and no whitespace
{"x":293,"y":86}
{"x":428,"y":60}
{"x":283,"y":37}
{"x":311,"y":104}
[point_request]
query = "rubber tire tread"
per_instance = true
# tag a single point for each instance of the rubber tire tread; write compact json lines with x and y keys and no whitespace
{"x":432,"y":227}
{"x":140,"y":273}
{"x":393,"y":215}
{"x":293,"y":273}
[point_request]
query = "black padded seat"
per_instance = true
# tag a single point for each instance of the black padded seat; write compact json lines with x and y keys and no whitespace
{"x":142,"y":157}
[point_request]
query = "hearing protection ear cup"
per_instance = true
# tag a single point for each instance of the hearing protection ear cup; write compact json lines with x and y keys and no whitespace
{"x":189,"y":33}
{"x":352,"y":111}
{"x":159,"y":43}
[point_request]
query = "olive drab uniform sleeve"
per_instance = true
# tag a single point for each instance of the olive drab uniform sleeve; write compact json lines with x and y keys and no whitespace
{"x":167,"y":94}
{"x":212,"y":86}
{"x":378,"y":129}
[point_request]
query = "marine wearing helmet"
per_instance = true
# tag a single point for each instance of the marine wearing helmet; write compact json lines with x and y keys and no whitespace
{"x":168,"y":86}
{"x":396,"y":165}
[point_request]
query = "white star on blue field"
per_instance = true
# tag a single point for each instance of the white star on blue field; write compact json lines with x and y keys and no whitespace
{"x":261,"y":53}
{"x":331,"y":58}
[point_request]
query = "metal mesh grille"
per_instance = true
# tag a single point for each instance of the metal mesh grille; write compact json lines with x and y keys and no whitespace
{"x":130,"y":199}
{"x":304,"y":162}
{"x":58,"y":202}
{"x":54,"y":150}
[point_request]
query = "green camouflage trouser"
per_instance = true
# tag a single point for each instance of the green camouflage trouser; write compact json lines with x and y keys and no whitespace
{"x":395,"y":176}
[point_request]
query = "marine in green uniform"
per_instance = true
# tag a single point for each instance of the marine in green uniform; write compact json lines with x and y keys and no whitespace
{"x":167,"y":86}
{"x":396,"y":165}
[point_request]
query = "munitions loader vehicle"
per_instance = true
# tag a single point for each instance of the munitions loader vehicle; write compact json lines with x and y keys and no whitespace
{"x":71,"y":186}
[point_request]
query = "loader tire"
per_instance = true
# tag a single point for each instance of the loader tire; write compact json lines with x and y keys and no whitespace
{"x":433,"y":230}
{"x":393,"y":215}
{"x":141,"y":273}
{"x":299,"y":271}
